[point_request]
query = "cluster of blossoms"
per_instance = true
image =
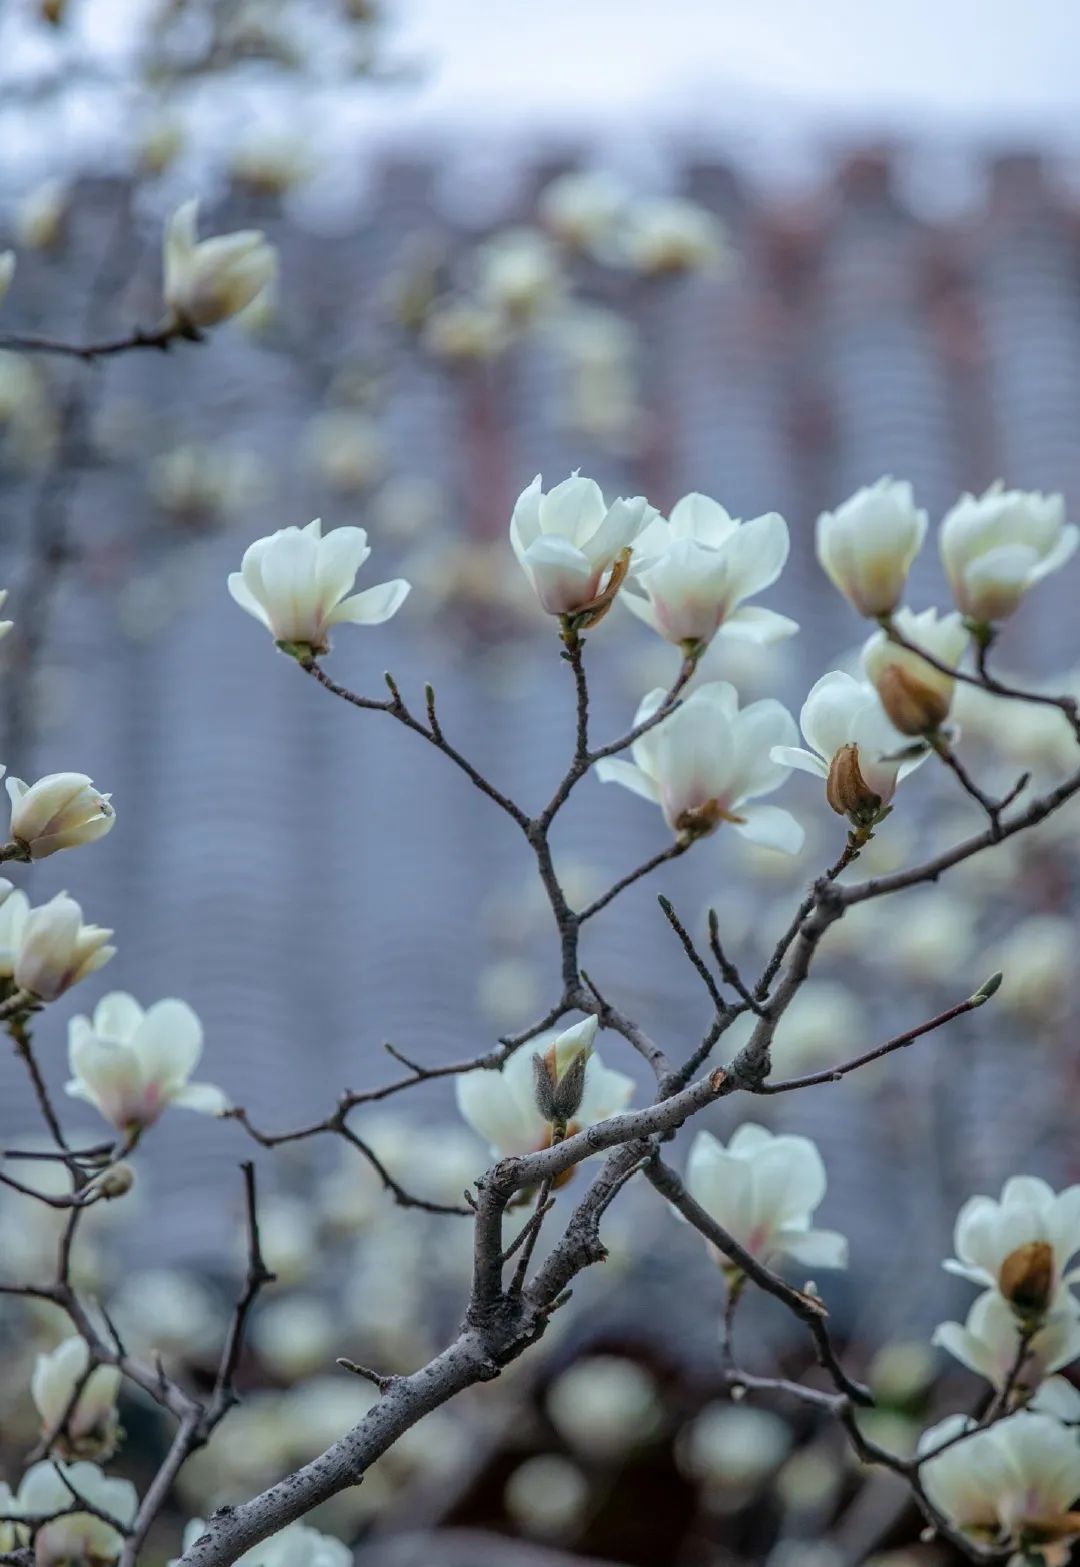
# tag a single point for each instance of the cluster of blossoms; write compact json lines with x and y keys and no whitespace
{"x":520,"y":279}
{"x":1013,"y":1483}
{"x":707,"y":761}
{"x":994,"y":548}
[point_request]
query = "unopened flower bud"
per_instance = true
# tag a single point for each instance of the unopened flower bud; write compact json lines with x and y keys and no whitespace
{"x":1026,"y":1278}
{"x":210,"y":280}
{"x":914,"y":693}
{"x":912,"y":705}
{"x":847,"y":790}
{"x":114,"y":1182}
{"x":559,"y":1074}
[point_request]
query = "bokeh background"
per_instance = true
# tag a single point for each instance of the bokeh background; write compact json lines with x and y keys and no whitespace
{"x":843,"y":245}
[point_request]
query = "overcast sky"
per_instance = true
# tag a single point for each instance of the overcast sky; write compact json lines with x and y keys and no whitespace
{"x":773,"y":84}
{"x":1008,"y":63}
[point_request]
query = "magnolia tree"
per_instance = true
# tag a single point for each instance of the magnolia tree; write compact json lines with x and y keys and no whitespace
{"x":1000,"y":1483}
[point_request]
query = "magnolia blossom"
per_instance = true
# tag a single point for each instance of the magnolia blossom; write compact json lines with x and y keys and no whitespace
{"x":131,"y":1063}
{"x":56,"y":949}
{"x":298,"y":584}
{"x":988,"y":1341}
{"x":502,"y":1106}
{"x":707,"y":760}
{"x":60,"y":811}
{"x":670,"y":234}
{"x":1020,"y":1245}
{"x":916,"y":696}
{"x":7,"y":271}
{"x":87,"y":1427}
{"x":603,"y":1405}
{"x":209,"y":280}
{"x":1009,"y":1484}
{"x":697,"y":568}
{"x":764,"y":1190}
{"x":572,"y":546}
{"x":519,"y":273}
{"x":78,"y":1538}
{"x":868,"y":544}
{"x":996,"y":546}
{"x":14,"y":907}
{"x":582,"y":206}
{"x":296,"y":1545}
{"x":853,"y":746}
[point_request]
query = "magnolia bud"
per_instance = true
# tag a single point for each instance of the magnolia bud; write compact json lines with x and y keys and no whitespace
{"x":116,"y":1181}
{"x":1026,"y":1278}
{"x":207,"y":282}
{"x":847,"y":790}
{"x":559,"y":1074}
{"x":914,"y":707}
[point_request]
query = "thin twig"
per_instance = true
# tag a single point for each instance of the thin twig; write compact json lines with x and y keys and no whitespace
{"x":161,"y":339}
{"x":672,"y":852}
{"x":898,"y":1042}
{"x":808,"y":1308}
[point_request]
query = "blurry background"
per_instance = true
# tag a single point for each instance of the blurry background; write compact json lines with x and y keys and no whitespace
{"x":809,"y":246}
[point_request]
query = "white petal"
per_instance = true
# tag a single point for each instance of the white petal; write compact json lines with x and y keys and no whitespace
{"x":770,"y":827}
{"x":752,"y":623}
{"x":203,"y":1097}
{"x":612,"y":769}
{"x":373,"y":606}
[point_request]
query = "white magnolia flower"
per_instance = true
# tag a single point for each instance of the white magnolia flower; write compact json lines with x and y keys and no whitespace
{"x":764,"y":1190}
{"x":14,"y":909}
{"x":5,"y":627}
{"x":7,"y":271}
{"x":60,"y":811}
{"x":572,"y":546}
{"x":56,"y":949}
{"x":706,"y":762}
{"x":519,"y":273}
{"x":733,"y":1446}
{"x":1020,"y":1245}
{"x":868,"y":544}
{"x":853,"y":746}
{"x":697,"y":568}
{"x":90,"y":1430}
{"x":501,"y":1106}
{"x":296,"y":1545}
{"x":1007,"y":1484}
{"x":298,"y":584}
{"x":210,"y":280}
{"x":603,"y":1405}
{"x":79,"y":1539}
{"x":989,"y":1341}
{"x":131,"y":1063}
{"x":916,"y":696}
{"x":670,"y":234}
{"x":1057,"y":1397}
{"x":582,"y":207}
{"x":996,"y":546}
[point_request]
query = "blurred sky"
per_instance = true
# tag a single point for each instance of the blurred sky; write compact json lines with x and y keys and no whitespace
{"x":1001,"y":65}
{"x":775,"y":85}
